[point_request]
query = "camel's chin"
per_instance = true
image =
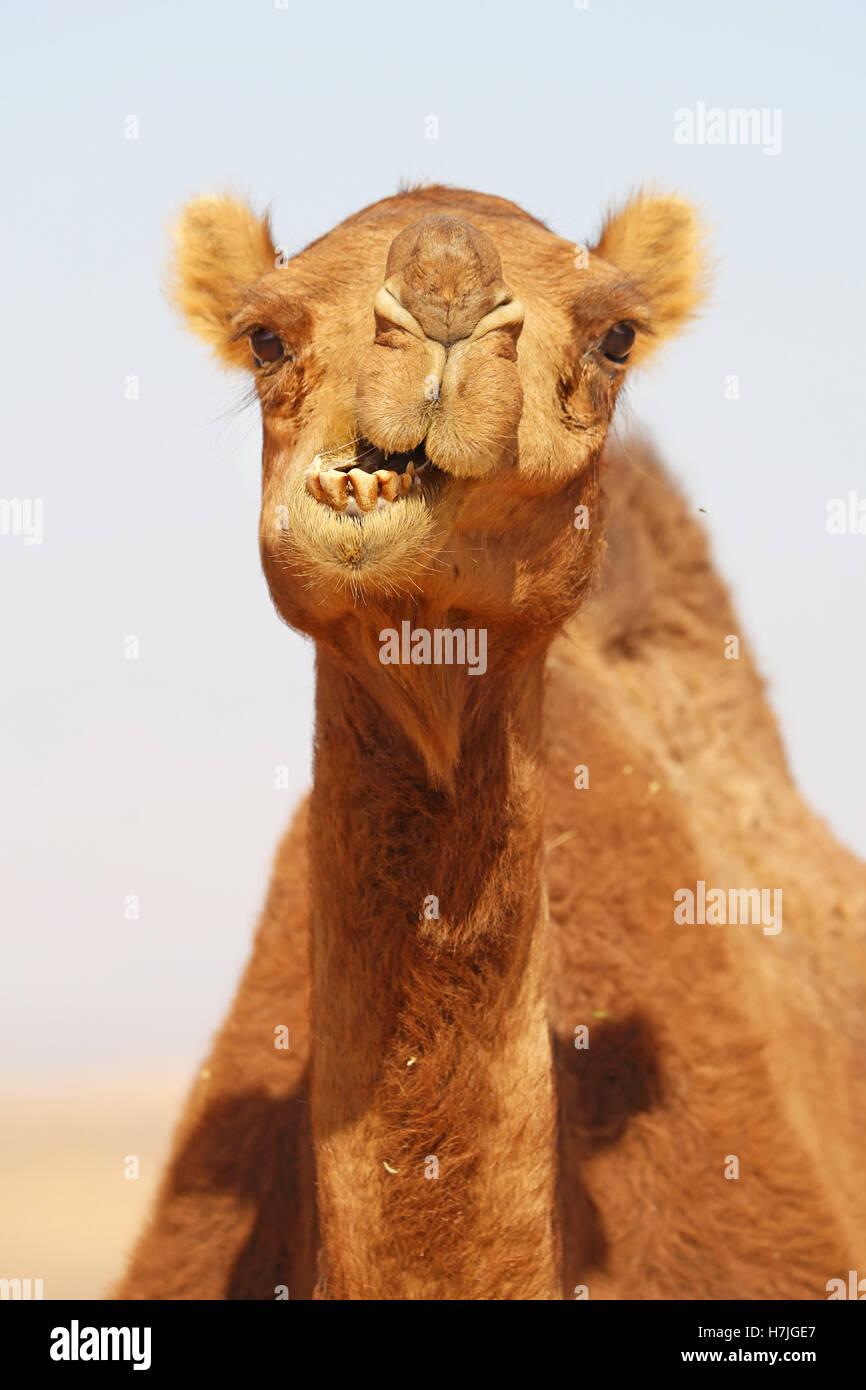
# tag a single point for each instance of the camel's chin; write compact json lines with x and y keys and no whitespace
{"x":330,"y":559}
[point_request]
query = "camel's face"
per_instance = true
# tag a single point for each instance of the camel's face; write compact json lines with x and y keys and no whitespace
{"x":437,"y":377}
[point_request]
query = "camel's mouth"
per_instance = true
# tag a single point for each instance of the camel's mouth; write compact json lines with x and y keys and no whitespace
{"x":358,"y":478}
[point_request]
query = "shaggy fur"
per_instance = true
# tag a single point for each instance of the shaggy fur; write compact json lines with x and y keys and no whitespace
{"x":443,"y":1040}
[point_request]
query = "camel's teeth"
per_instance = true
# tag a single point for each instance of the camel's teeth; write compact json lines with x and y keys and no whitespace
{"x":389,"y":483}
{"x":365,"y":487}
{"x":312,"y":483}
{"x":335,"y":487}
{"x":355,"y":491}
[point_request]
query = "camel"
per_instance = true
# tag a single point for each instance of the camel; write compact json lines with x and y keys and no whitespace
{"x":525,"y":1060}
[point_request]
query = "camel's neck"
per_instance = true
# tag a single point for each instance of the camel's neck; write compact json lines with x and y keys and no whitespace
{"x":433,"y":1102}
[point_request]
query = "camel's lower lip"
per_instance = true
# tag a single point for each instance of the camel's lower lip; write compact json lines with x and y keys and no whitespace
{"x":358,"y":479}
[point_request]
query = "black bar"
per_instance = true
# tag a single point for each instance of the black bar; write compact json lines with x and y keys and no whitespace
{"x":824,"y":1337}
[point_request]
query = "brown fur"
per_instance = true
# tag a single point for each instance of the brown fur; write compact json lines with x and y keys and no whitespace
{"x":452,"y":1035}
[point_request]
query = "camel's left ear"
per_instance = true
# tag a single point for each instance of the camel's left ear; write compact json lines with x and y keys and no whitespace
{"x":219,"y":248}
{"x":659,"y":242}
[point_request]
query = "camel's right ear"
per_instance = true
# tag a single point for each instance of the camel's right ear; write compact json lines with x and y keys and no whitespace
{"x":219,"y":248}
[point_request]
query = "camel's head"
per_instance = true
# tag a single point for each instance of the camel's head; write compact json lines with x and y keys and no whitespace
{"x":437,"y":376}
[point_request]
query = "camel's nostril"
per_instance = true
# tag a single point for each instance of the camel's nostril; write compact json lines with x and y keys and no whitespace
{"x":391,"y":311}
{"x":423,"y":321}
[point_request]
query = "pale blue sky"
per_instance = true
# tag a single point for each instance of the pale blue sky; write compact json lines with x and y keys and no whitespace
{"x":155,"y":777}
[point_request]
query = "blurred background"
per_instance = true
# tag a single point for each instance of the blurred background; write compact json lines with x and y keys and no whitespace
{"x":139,"y":804}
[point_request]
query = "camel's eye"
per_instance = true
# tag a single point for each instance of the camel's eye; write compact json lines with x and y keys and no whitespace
{"x":618,"y":342}
{"x":265,"y":346}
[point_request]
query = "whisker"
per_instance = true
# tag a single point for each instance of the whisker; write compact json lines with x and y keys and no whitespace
{"x":323,"y":453}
